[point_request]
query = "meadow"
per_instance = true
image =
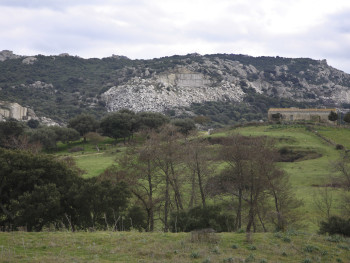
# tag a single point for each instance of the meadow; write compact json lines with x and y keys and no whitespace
{"x":170,"y":247}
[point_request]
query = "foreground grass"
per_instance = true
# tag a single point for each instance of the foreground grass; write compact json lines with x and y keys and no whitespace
{"x":170,"y":247}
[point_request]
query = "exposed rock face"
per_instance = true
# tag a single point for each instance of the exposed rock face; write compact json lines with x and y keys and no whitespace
{"x":17,"y":112}
{"x":13,"y":110}
{"x":29,"y":60}
{"x":7,"y":54}
{"x":169,"y":90}
{"x":216,"y":78}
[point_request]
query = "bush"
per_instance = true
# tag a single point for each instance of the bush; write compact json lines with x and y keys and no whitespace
{"x":335,"y":225}
{"x":202,"y":218}
{"x":339,"y":147}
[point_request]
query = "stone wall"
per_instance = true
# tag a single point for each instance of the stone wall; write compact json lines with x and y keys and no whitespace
{"x":295,"y":114}
{"x":191,"y":80}
{"x":184,"y":80}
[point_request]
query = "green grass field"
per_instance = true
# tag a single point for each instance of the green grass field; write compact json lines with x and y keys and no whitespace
{"x":89,"y":159}
{"x":170,"y":247}
{"x":305,"y":175}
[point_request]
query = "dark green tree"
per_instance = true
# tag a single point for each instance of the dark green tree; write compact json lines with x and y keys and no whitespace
{"x":64,"y":134}
{"x":33,"y":123}
{"x":347,"y":118}
{"x":99,"y":204}
{"x":119,"y":125}
{"x":333,"y":116}
{"x":9,"y":130}
{"x":83,"y":123}
{"x":33,"y":189}
{"x":151,"y":120}
{"x":46,"y":136}
{"x":184,"y":125}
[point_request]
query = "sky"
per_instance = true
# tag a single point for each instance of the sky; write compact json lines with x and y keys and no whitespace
{"x":144,"y":29}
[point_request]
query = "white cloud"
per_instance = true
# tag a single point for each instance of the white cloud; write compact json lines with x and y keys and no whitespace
{"x":153,"y":28}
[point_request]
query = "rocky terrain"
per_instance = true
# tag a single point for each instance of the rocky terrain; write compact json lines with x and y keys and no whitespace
{"x":169,"y":90}
{"x":222,"y":79}
{"x":62,"y":86}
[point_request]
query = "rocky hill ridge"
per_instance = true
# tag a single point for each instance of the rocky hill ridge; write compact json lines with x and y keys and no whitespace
{"x":62,"y":86}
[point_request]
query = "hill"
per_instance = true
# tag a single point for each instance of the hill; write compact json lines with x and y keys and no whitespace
{"x":225,"y":87}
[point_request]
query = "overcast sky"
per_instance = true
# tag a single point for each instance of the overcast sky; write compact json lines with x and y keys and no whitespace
{"x":319,"y":29}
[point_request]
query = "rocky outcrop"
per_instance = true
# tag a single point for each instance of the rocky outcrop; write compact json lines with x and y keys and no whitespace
{"x":169,"y":90}
{"x":40,"y":85}
{"x":219,"y":79}
{"x":14,"y":110}
{"x":69,"y":84}
{"x":29,"y":60}
{"x":7,"y":54}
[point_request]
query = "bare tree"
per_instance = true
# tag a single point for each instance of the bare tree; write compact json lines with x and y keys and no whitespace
{"x":252,"y":177}
{"x":198,"y":159}
{"x":167,"y":159}
{"x":323,"y":200}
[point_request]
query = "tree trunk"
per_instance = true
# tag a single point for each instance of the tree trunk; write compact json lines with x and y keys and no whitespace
{"x":193,"y":182}
{"x":200,"y":184}
{"x":166,"y":205}
{"x":175,"y":185}
{"x":238,"y":224}
{"x":150,"y":198}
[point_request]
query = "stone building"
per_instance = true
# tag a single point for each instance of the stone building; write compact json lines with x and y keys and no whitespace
{"x":296,"y":114}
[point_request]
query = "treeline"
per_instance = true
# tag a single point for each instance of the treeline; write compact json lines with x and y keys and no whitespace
{"x":118,"y":125}
{"x":254,"y":108}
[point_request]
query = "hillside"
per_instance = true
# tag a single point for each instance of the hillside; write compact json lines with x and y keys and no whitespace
{"x":239,"y":86}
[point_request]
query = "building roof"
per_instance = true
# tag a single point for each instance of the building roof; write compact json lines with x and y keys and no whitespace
{"x":300,"y":110}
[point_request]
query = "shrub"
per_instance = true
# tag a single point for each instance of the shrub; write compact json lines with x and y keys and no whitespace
{"x":250,"y":258}
{"x":202,"y":218}
{"x":311,"y":248}
{"x":335,"y":225}
{"x":334,"y":238}
{"x":195,"y":255}
{"x":252,"y":247}
{"x":339,"y":147}
{"x":287,"y":239}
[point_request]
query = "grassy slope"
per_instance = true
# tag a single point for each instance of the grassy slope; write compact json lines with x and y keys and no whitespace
{"x":304,"y":175}
{"x":169,"y":247}
{"x":89,"y":159}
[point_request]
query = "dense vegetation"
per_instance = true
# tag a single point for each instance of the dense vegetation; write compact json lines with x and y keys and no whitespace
{"x":253,"y":108}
